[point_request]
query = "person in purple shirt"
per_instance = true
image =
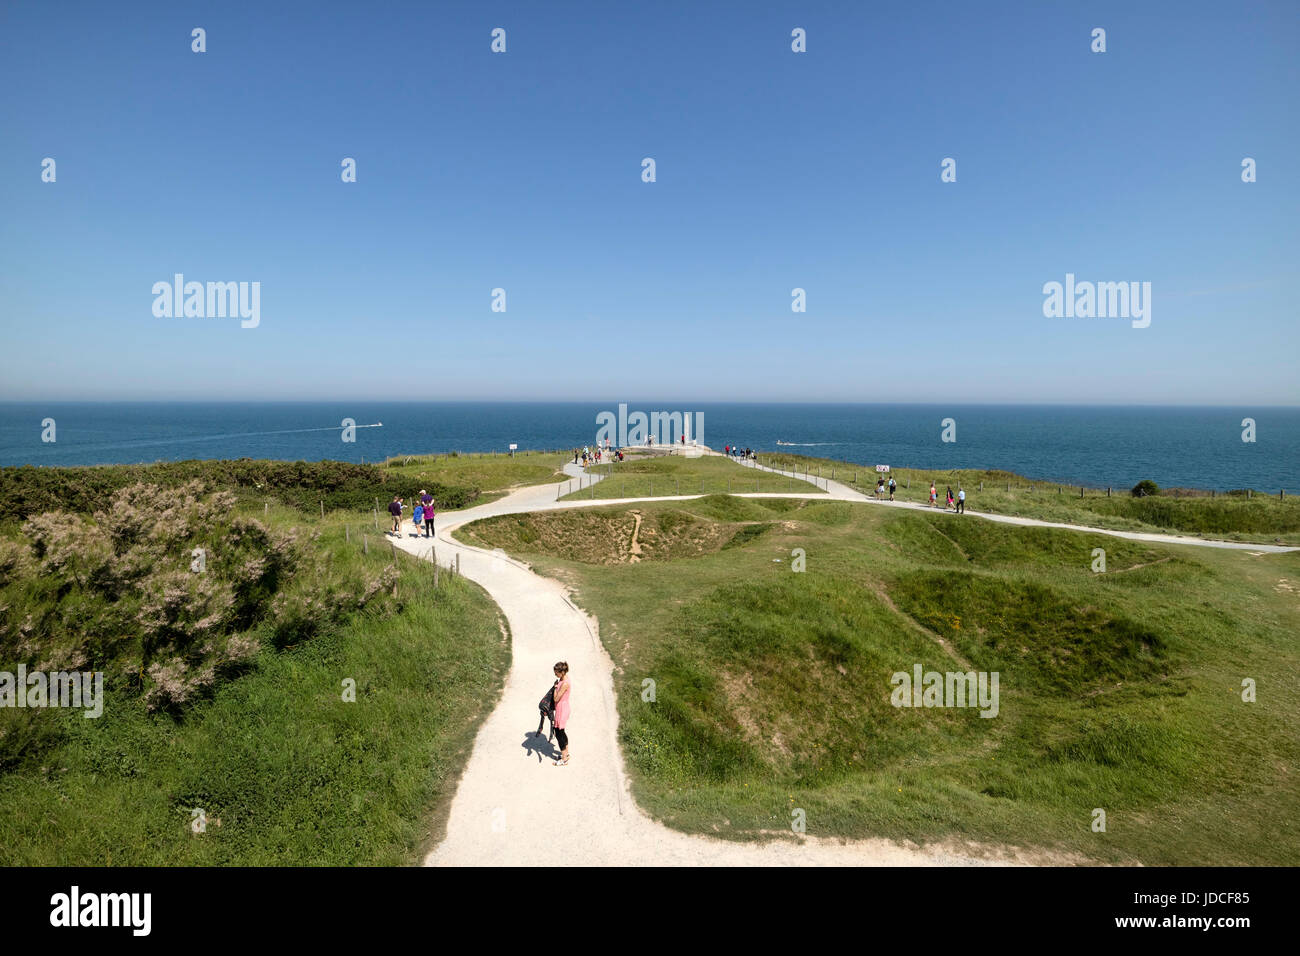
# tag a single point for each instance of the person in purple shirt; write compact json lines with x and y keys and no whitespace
{"x":426,"y":499}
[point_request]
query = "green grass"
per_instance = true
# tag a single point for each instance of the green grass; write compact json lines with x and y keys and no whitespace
{"x":1260,"y":518}
{"x":657,"y":476}
{"x":1119,"y":690}
{"x":287,"y":772}
{"x":491,"y":473}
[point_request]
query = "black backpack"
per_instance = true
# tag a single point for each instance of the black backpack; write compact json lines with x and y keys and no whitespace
{"x":547,"y":704}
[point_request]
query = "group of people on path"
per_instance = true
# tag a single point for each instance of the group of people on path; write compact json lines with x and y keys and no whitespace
{"x":596,"y":456}
{"x":421,"y":517}
{"x":957,"y":504}
{"x":745,"y":454}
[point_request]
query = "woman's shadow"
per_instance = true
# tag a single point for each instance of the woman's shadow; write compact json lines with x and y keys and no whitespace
{"x":538,"y":744}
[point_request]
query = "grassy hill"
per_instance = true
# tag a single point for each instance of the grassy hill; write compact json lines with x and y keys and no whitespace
{"x":1119,"y":690}
{"x":225,"y":684}
{"x":1231,"y":516}
{"x":646,"y":476}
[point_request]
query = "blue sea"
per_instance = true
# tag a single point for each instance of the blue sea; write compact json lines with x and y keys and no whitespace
{"x":1097,"y":446}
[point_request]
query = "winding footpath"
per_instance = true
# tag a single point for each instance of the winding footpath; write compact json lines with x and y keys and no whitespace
{"x":513,"y":807}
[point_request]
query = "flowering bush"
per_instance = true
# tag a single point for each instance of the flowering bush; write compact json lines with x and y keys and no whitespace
{"x":168,"y":589}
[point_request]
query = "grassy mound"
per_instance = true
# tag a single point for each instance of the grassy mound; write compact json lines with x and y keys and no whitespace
{"x":1119,"y":690}
{"x":605,"y":536}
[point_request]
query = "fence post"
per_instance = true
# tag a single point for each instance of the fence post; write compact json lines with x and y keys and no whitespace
{"x":347,"y":533}
{"x":981,"y":486}
{"x":457,"y":562}
{"x":1081,"y":491}
{"x":365,"y":544}
{"x":266,"y":508}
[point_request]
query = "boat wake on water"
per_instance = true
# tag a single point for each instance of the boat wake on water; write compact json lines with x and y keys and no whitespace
{"x":148,"y":442}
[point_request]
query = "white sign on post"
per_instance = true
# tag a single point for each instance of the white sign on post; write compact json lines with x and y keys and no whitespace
{"x":882,"y":468}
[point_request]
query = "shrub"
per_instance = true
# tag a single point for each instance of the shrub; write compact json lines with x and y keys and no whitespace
{"x":29,"y":490}
{"x":1145,"y":488}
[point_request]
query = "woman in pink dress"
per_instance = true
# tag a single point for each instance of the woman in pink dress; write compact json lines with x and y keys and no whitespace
{"x":561,"y":720}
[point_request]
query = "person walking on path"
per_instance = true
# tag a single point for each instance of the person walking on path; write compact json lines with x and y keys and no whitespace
{"x":561,"y":719}
{"x":417,"y":516}
{"x":950,"y":502}
{"x":961,"y":500}
{"x":934,"y":496}
{"x":893,"y":486}
{"x":395,"y":509}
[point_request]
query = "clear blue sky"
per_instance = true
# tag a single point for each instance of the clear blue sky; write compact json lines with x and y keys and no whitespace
{"x":775,"y":170}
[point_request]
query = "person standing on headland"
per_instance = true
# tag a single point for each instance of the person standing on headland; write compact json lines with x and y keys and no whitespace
{"x":560,"y":721}
{"x":961,"y":500}
{"x":893,"y":486}
{"x":395,"y":509}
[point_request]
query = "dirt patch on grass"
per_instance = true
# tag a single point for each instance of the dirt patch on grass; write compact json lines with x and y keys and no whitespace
{"x":597,"y":536}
